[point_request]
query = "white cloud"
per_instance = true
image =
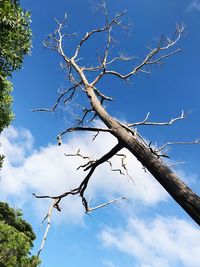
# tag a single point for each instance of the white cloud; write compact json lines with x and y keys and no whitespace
{"x":107,"y":263}
{"x":166,"y":242}
{"x":161,"y":242}
{"x":16,"y":144}
{"x":195,"y":4}
{"x":47,"y":171}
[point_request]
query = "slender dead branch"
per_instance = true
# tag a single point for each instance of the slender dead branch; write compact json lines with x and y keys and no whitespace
{"x":153,"y":57}
{"x":48,"y":218}
{"x":114,"y":170}
{"x":123,"y":164}
{"x":92,"y":161}
{"x":78,"y":154}
{"x":105,"y":204}
{"x":158,"y":60}
{"x":146,"y":122}
{"x":114,"y":21}
{"x":107,"y":156}
{"x":176,"y":163}
{"x":79,"y":190}
{"x":87,"y":112}
{"x":55,"y":205}
{"x":127,"y":138}
{"x":102,"y":96}
{"x":196,"y":142}
{"x":119,"y":58}
{"x":84,"y":129}
{"x":71,"y":90}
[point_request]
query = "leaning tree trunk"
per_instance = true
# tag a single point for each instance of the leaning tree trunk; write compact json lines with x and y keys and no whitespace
{"x":179,"y":191}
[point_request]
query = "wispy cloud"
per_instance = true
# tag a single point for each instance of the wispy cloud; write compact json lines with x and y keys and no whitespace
{"x":153,"y":243}
{"x":47,"y":171}
{"x":166,"y":242}
{"x":194,"y":5}
{"x":107,"y":263}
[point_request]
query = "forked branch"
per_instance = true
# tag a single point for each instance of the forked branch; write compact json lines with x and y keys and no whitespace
{"x":155,"y":56}
{"x":107,"y":27}
{"x":114,"y":201}
{"x":78,"y":191}
{"x":126,"y":136}
{"x":195,"y":142}
{"x":146,"y":122}
{"x":70,"y":92}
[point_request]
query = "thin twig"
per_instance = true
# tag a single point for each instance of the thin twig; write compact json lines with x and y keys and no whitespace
{"x":73,"y":88}
{"x":105,"y":204}
{"x":196,"y":142}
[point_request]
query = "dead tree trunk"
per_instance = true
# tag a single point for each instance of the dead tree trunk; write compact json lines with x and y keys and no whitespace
{"x":126,"y":135}
{"x":179,"y":191}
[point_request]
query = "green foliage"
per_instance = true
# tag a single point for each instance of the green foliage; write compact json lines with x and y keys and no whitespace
{"x":15,"y":43}
{"x":14,"y":218}
{"x":16,"y":235}
{"x":1,"y":160}
{"x":6,"y":114}
{"x":15,"y":36}
{"x":16,"y":239}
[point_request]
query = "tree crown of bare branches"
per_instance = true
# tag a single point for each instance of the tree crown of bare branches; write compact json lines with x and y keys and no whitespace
{"x":127,"y":135}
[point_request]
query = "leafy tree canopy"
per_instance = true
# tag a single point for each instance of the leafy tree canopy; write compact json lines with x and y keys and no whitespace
{"x":15,"y":36}
{"x":15,"y":43}
{"x":16,"y":235}
{"x":16,"y":239}
{"x":6,"y":114}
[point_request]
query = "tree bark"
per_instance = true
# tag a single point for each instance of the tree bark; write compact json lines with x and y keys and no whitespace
{"x":179,"y":191}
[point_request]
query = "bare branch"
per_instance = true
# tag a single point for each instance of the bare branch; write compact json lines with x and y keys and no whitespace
{"x":163,"y":45}
{"x":48,"y":218}
{"x":45,"y":196}
{"x":82,"y":187}
{"x":119,"y":58}
{"x":158,"y":60}
{"x":91,"y":162}
{"x":55,"y":40}
{"x":107,"y":156}
{"x":122,"y":57}
{"x":146,"y":122}
{"x":86,"y":112}
{"x":78,"y":154}
{"x":105,"y":204}
{"x":196,"y":142}
{"x":123,"y":164}
{"x":104,"y":61}
{"x":70,"y":90}
{"x":130,"y":138}
{"x":85,"y":128}
{"x":102,"y":96}
{"x":176,"y":163}
{"x":95,"y":136}
{"x":114,"y":170}
{"x":114,"y":21}
{"x":79,"y":128}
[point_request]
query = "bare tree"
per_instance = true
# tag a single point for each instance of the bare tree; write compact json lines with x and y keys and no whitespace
{"x":127,"y":136}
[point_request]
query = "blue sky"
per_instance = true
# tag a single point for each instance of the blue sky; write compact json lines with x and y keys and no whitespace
{"x":149,"y":229}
